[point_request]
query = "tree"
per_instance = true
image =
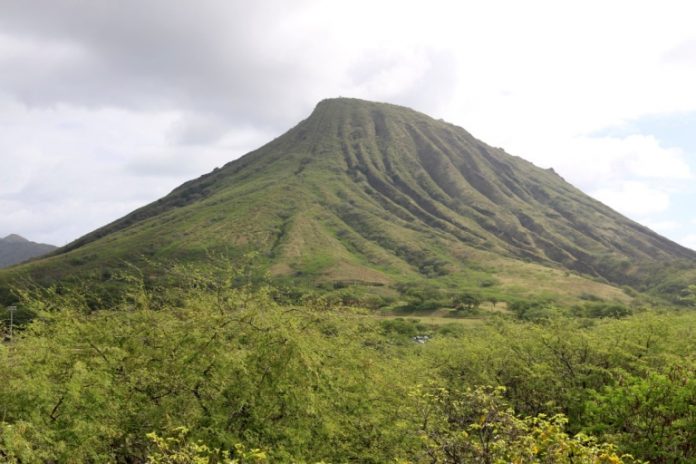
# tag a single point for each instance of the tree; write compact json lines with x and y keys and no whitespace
{"x":478,"y":426}
{"x":653,"y":417}
{"x":466,"y":302}
{"x":494,"y":300}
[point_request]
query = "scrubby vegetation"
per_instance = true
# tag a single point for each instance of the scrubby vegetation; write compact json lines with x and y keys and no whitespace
{"x":218,"y":366}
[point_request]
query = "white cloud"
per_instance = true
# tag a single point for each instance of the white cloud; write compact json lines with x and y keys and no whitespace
{"x":633,"y":199}
{"x":662,"y":226}
{"x":592,"y":161}
{"x":67,"y":171}
{"x":689,"y":241}
{"x":683,"y":53}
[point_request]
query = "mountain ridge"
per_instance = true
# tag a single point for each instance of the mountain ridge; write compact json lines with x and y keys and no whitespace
{"x":15,"y":249}
{"x":376,"y":193}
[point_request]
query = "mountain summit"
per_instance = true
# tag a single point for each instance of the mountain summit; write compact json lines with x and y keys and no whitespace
{"x":14,"y":238}
{"x":16,"y":249}
{"x":376,"y":194}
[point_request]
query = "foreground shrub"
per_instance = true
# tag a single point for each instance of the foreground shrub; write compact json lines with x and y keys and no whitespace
{"x":478,"y":426}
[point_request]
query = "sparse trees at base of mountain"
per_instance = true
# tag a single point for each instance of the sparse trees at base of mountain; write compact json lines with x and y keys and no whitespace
{"x":466,"y":303}
{"x":251,"y":379}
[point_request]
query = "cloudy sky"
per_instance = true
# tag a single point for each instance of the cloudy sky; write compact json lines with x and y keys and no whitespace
{"x":108,"y":105}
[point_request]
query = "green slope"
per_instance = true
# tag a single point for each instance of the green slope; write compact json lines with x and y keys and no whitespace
{"x":374,"y":194}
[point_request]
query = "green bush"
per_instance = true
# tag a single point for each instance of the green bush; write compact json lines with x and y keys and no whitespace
{"x":602,"y":310}
{"x":653,"y":417}
{"x":478,"y":426}
{"x":534,"y":310}
{"x":312,"y":380}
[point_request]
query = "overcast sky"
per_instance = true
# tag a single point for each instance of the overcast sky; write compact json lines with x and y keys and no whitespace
{"x":108,"y":105}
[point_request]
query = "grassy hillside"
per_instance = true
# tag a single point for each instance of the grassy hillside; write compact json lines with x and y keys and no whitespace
{"x":372,"y":195}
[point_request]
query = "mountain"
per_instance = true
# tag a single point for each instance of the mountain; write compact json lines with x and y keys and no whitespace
{"x":375,"y":195}
{"x":16,"y":249}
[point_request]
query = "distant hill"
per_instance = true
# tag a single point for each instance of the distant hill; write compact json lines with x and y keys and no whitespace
{"x":379,"y":196}
{"x":15,"y":249}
